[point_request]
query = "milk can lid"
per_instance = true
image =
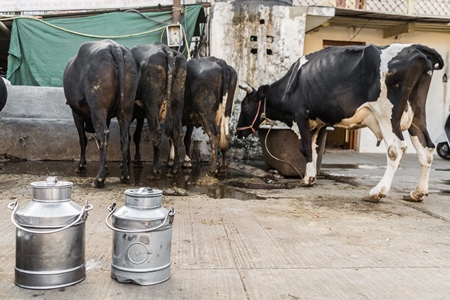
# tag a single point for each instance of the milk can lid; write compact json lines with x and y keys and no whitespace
{"x":51,"y":182}
{"x":145,"y":197}
{"x":52,"y":189}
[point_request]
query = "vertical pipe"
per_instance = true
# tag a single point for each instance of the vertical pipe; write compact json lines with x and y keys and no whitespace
{"x":176,"y":11}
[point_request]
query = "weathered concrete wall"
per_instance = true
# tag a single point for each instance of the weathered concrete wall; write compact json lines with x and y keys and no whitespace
{"x":261,"y":42}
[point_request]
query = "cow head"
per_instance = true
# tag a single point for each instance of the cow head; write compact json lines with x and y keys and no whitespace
{"x":251,"y":109}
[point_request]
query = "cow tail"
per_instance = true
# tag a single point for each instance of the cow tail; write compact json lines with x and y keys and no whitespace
{"x":227,"y":106}
{"x":432,"y":55}
{"x":229,"y":83}
{"x":171,"y":60}
{"x":117,"y":54}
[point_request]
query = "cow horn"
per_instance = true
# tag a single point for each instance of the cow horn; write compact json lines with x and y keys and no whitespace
{"x":246,"y":88}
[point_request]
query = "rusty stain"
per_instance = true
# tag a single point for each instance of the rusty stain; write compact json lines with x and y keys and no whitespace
{"x":144,"y":239}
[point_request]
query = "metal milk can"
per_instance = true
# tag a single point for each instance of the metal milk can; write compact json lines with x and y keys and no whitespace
{"x":50,"y":237}
{"x":142,"y":238}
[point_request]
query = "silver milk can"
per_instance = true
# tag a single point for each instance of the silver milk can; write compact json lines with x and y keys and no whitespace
{"x":50,"y":237}
{"x":142,"y":238}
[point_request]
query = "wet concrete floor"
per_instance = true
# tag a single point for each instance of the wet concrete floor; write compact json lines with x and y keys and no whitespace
{"x":184,"y":180}
{"x":296,"y":243}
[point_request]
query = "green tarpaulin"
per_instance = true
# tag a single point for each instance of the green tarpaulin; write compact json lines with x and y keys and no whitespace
{"x":39,"y":50}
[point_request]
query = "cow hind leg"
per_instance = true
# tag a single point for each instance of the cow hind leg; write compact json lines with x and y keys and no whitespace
{"x":396,"y":148}
{"x":155,"y":134}
{"x":79,"y":123}
{"x":310,"y":168}
{"x":102,"y":138}
{"x":187,"y":146}
{"x":137,"y":142}
{"x":171,"y":157}
{"x":223,"y":167}
{"x":425,"y":156}
{"x":223,"y":145}
{"x":177,"y":139}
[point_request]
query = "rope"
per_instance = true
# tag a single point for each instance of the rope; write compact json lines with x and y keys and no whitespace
{"x":85,"y":34}
{"x":163,"y":29}
{"x":276,"y":158}
{"x":272,"y":123}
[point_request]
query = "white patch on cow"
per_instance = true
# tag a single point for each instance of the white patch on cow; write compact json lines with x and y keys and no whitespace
{"x":224,"y":125}
{"x":171,"y":150}
{"x":224,"y":120}
{"x":407,"y":117}
{"x":224,"y":100}
{"x":429,"y":72}
{"x":303,"y":61}
{"x":310,"y":172}
{"x":219,"y":114}
{"x":6,"y":81}
{"x":314,"y":147}
{"x":296,"y":130}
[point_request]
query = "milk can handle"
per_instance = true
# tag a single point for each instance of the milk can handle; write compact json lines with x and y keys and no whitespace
{"x":14,"y":206}
{"x":112,"y":209}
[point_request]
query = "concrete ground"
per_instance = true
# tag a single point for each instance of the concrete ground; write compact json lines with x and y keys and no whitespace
{"x":300,"y":243}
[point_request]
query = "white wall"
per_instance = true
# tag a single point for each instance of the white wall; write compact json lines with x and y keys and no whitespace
{"x":438,"y":103}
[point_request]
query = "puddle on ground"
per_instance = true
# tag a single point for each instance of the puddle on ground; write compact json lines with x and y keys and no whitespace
{"x":184,"y":180}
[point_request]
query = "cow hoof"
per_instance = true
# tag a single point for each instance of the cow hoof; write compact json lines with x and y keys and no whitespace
{"x":414,"y":197}
{"x":187,"y":164}
{"x":170,"y":163}
{"x":222,"y":170}
{"x":373,"y":198}
{"x":154,"y":176}
{"x":125,"y":179}
{"x":308,"y":183}
{"x":81,"y":169}
{"x":98,"y":183}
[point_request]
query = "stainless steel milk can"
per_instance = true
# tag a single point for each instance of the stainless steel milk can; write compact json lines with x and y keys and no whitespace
{"x":142,"y":238}
{"x":50,"y":237}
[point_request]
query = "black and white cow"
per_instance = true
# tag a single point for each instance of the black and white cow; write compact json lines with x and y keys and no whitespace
{"x":100,"y":84}
{"x":162,"y":76}
{"x":382,"y":88}
{"x":210,"y":87}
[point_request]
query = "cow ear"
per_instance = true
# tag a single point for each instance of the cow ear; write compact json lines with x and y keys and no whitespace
{"x":263,"y":91}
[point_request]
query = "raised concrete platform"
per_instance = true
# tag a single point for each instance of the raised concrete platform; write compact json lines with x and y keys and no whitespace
{"x":37,"y":124}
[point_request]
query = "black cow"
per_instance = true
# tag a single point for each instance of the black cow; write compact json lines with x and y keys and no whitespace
{"x":161,"y":91}
{"x":210,"y":87}
{"x":3,"y":93}
{"x":100,"y":84}
{"x":382,"y":88}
